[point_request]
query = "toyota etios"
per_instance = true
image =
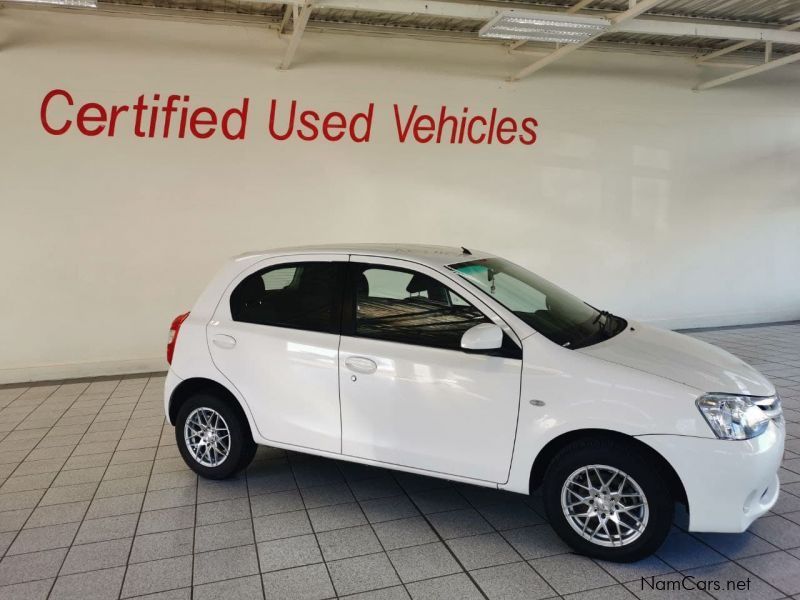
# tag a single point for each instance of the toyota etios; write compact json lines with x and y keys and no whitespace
{"x":465,"y":366}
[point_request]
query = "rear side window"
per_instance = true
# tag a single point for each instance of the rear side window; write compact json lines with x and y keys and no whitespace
{"x":303,"y":295}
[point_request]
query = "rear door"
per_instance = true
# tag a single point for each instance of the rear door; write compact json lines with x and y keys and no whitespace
{"x":275,"y":336}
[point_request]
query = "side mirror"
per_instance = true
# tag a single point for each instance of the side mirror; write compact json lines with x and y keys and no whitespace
{"x":486,"y":336}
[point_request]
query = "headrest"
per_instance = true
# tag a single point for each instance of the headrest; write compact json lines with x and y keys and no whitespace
{"x":362,"y":288}
{"x":419,"y":283}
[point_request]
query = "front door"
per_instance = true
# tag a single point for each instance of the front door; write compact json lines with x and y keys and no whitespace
{"x":409,"y":395}
{"x":275,"y":336}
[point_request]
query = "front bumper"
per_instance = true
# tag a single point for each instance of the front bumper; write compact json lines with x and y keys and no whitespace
{"x":729,"y":484}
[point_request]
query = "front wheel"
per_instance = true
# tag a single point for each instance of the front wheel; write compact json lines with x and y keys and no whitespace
{"x":212,"y":437}
{"x":607,"y":500}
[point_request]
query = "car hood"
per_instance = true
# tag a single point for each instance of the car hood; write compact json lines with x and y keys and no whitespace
{"x":682,"y":359}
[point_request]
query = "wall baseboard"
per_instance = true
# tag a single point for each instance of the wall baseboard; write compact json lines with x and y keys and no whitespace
{"x":80,"y":370}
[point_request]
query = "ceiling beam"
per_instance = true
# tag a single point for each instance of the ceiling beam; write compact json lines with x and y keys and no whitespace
{"x":773,"y":64}
{"x":738,"y":46}
{"x":567,"y":49}
{"x":298,"y":27}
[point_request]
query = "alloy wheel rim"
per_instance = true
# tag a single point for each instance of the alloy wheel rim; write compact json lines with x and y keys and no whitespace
{"x":207,"y":437}
{"x":605,"y":505}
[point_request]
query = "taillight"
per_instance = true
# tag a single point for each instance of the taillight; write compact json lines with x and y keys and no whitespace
{"x":173,"y":334}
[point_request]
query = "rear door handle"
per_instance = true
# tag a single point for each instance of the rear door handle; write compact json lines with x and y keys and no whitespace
{"x":361,"y":364}
{"x":226,"y":342}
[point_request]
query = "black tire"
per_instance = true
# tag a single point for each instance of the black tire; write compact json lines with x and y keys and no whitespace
{"x":640,"y":467}
{"x":241,"y":450}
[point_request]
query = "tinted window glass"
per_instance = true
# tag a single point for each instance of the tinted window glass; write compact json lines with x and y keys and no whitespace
{"x":403,"y":306}
{"x":300,"y":296}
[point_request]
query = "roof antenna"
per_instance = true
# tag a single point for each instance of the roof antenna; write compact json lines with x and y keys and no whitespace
{"x":465,"y":251}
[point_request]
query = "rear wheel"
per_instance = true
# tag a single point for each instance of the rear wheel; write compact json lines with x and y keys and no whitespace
{"x":212,"y":437}
{"x":607,"y":500}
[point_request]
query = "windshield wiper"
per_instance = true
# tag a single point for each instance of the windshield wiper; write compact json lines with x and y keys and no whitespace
{"x":608,"y":319}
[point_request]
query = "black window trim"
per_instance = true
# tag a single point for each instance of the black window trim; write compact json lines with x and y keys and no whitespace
{"x":510,"y":350}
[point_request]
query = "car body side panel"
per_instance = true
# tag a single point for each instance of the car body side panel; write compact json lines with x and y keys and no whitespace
{"x":581,"y":392}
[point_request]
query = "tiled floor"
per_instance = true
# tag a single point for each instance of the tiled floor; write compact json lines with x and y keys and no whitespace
{"x":96,"y":503}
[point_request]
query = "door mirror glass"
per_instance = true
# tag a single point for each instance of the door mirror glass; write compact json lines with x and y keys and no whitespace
{"x":486,"y":336}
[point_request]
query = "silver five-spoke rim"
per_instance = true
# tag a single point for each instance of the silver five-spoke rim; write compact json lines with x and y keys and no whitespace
{"x":207,"y":437}
{"x":604,"y":505}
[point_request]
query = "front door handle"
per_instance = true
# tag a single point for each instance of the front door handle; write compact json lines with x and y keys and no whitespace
{"x":360,"y":364}
{"x":226,"y":342}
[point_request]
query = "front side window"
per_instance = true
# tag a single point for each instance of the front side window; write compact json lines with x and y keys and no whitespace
{"x":303,"y":295}
{"x":404,"y":306}
{"x":553,"y":312}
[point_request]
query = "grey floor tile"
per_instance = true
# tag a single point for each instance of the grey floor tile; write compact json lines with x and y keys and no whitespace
{"x":452,"y":587}
{"x":485,"y":550}
{"x":510,"y":515}
{"x":276,"y":503}
{"x":122,"y":487}
{"x":736,"y":545}
{"x":212,"y":491}
{"x":281,"y":525}
{"x":16,"y":500}
{"x":225,"y":564}
{"x":346,"y":543}
{"x":778,"y":531}
{"x":439,"y":500}
{"x":302,"y":583}
{"x":388,"y":509}
{"x":397,"y":592}
{"x":107,"y":528}
{"x":289,"y":552}
{"x":338,"y":516}
{"x":223,"y":535}
{"x":114,"y":506}
{"x":166,"y":544}
{"x":780,"y":569}
{"x":76,"y":476}
{"x":423,"y":562}
{"x":378,"y":487}
{"x":404,"y":532}
{"x":362,"y":573}
{"x":570,"y":573}
{"x":459,"y":523}
{"x":614,"y":592}
{"x":327,"y":495}
{"x":69,"y":493}
{"x":98,"y":555}
{"x":13,"y":520}
{"x":57,"y":514}
{"x":95,"y":585}
{"x":31,"y":590}
{"x":157,"y":576}
{"x":243,"y":588}
{"x":170,"y":498}
{"x":222,"y":511}
{"x":30,"y":567}
{"x":517,"y":581}
{"x":166,"y":519}
{"x":43,"y":538}
{"x":682,"y":551}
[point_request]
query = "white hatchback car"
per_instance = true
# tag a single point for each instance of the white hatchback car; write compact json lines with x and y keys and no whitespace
{"x":462,"y":365}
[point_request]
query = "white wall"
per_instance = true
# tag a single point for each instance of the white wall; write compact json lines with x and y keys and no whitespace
{"x":643,"y":197}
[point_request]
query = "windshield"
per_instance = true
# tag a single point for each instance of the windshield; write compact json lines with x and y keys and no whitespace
{"x":553,"y":312}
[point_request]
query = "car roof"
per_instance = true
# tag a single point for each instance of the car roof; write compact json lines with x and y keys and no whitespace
{"x":435,"y":256}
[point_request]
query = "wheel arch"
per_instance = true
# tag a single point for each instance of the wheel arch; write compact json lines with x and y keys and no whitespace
{"x":188,"y":387}
{"x":552,"y":448}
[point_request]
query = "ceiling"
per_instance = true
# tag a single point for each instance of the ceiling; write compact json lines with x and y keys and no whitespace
{"x":462,"y":19}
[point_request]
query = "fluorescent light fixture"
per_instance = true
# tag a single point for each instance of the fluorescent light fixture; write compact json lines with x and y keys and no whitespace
{"x":543,"y":27}
{"x":66,"y":3}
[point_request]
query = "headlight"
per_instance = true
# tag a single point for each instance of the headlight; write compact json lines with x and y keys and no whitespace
{"x":733,"y":417}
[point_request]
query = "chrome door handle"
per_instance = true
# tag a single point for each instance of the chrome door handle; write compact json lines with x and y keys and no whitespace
{"x":226,"y":342}
{"x":360,"y":364}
